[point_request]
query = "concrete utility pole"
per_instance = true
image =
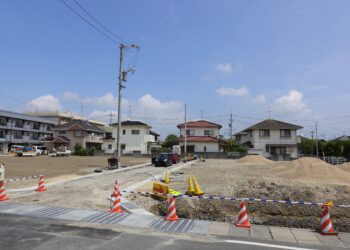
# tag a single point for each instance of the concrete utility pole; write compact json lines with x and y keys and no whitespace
{"x":185,"y":147}
{"x":110,"y":118}
{"x":316,"y":140}
{"x":201,"y":114}
{"x":231,"y":121}
{"x":122,"y":78}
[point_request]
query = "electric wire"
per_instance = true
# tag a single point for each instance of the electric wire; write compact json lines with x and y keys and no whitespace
{"x":99,"y":23}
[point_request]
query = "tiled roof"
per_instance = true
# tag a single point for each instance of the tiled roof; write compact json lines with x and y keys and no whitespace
{"x":199,"y":124}
{"x":199,"y":139}
{"x":131,"y":123}
{"x":273,"y":124}
{"x":84,"y":125}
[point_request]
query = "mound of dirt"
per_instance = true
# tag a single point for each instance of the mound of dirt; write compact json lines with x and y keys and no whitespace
{"x":254,"y":159}
{"x":344,"y":166}
{"x":314,"y":170}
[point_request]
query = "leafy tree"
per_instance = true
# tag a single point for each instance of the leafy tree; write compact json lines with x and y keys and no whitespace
{"x":170,"y":141}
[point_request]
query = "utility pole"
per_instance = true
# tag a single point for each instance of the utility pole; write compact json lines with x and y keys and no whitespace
{"x":129,"y":111}
{"x":270,"y":111}
{"x":81,"y":111}
{"x":122,"y":78}
{"x":185,"y":147}
{"x":231,"y":121}
{"x":316,"y":140}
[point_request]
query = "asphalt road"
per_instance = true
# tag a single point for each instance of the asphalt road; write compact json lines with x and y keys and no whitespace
{"x":17,"y":232}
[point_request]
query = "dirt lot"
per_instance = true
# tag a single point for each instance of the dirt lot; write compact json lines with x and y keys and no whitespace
{"x":306,"y":179}
{"x":56,"y":168}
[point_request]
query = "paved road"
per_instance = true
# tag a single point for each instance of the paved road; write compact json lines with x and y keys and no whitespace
{"x":17,"y":232}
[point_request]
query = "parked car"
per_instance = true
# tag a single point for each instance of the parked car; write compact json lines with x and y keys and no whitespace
{"x":27,"y":151}
{"x":40,"y":150}
{"x":175,"y":158}
{"x":163,"y":160}
{"x":60,"y":152}
{"x":16,"y":148}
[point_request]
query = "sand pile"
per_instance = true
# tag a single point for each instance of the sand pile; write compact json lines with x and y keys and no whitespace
{"x":344,"y":167}
{"x":254,"y":159}
{"x":313,"y":170}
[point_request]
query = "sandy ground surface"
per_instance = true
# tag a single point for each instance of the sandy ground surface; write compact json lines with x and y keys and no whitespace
{"x":90,"y":192}
{"x":57,"y":168}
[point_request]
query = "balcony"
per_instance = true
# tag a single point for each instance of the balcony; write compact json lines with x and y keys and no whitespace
{"x":149,"y":138}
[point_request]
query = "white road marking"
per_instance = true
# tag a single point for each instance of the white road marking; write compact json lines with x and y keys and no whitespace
{"x":266,"y":245}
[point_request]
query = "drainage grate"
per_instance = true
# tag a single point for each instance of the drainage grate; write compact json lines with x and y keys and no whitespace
{"x":105,"y":218}
{"x":50,"y":212}
{"x":180,"y":226}
{"x":5,"y":206}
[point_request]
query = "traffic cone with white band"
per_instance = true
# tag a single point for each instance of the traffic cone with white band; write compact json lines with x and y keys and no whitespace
{"x":116,"y":189}
{"x":171,"y":213}
{"x":3,"y":196}
{"x":41,"y":185}
{"x":326,"y":227}
{"x":116,"y":208}
{"x":243,"y":220}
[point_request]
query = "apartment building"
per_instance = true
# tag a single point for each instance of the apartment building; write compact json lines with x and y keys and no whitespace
{"x":21,"y":129}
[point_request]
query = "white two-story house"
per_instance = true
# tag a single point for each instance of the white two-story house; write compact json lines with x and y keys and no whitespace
{"x":271,"y":138}
{"x":201,"y":136}
{"x":136,"y":138}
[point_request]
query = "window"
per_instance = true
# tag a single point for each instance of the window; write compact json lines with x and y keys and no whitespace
{"x":135,"y":132}
{"x":209,"y":132}
{"x":205,"y":149}
{"x":19,"y":123}
{"x":189,"y":132}
{"x":2,"y":121}
{"x":35,"y":136}
{"x":124,"y":132}
{"x":2,"y":134}
{"x":122,"y":146}
{"x":285,"y":133}
{"x":17,"y":134}
{"x":36,"y":125}
{"x":79,"y":133}
{"x":264,"y":133}
{"x":109,"y":146}
{"x":62,"y":132}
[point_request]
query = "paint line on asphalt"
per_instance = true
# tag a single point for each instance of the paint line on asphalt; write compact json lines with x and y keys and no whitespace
{"x":267,"y":245}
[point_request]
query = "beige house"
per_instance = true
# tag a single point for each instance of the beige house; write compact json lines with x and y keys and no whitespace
{"x":270,"y":138}
{"x":201,"y":136}
{"x":73,"y":132}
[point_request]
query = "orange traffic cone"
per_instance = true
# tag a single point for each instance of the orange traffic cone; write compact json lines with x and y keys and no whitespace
{"x":41,"y":185}
{"x":171,"y":213}
{"x":3,"y":196}
{"x":116,"y":205}
{"x":243,"y":220}
{"x":326,"y":227}
{"x":116,"y":189}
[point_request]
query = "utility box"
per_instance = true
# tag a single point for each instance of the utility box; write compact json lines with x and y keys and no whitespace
{"x":2,"y":172}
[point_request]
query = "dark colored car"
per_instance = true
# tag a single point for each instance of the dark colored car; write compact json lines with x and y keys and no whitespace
{"x":163,"y":160}
{"x":175,"y":158}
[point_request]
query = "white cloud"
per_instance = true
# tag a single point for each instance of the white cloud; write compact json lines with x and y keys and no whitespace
{"x":293,"y":102}
{"x":44,"y":103}
{"x":71,"y":96}
{"x":243,"y":91}
{"x":108,"y":99}
{"x":224,"y":68}
{"x":259,"y":99}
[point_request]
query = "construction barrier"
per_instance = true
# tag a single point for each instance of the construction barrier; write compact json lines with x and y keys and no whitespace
{"x":22,"y":178}
{"x":288,"y":202}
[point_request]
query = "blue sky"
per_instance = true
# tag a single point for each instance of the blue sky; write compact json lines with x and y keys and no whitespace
{"x":217,"y":56}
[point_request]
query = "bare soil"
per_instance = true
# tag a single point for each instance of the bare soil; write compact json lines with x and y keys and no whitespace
{"x":305,"y":179}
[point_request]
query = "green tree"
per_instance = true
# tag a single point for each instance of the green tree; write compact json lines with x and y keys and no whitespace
{"x":170,"y":141}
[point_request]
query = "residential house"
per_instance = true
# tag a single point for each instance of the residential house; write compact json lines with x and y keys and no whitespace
{"x":63,"y":117}
{"x":136,"y":138}
{"x":270,"y":138}
{"x":342,"y":138}
{"x":21,"y":129}
{"x":201,"y":136}
{"x":76,"y":131}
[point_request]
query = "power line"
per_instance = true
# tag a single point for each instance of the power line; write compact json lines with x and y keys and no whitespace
{"x":98,"y":22}
{"x":87,"y":21}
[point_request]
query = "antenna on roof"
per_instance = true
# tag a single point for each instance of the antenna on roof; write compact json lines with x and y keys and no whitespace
{"x":270,"y":111}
